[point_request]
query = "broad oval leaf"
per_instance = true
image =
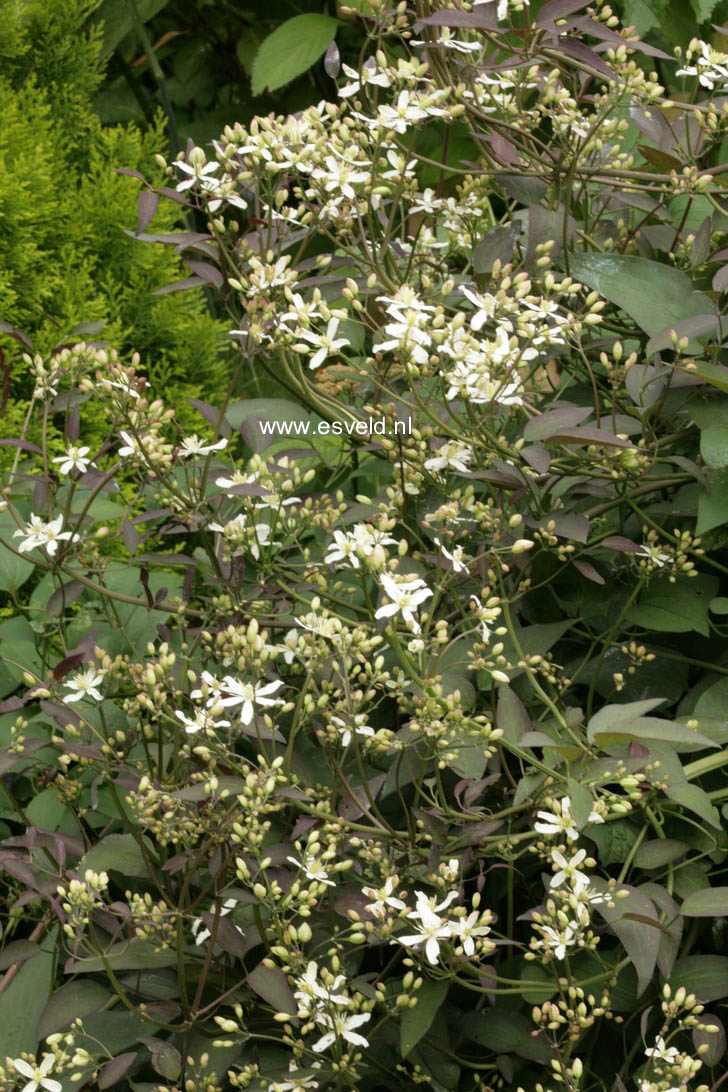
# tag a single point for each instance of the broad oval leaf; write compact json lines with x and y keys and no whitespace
{"x":71,"y":1002}
{"x":291,"y":50}
{"x":711,"y":902}
{"x":416,"y":1022}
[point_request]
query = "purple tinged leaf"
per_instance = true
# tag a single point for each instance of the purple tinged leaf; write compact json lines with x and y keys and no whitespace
{"x":179,"y":286}
{"x":587,"y":569}
{"x":485,"y":18}
{"x":720,"y":280}
{"x":212,"y":416}
{"x":504,"y":151}
{"x":112,"y":1073}
{"x":147,"y":207}
{"x":558,"y":9}
{"x":68,"y":664}
{"x":547,"y":424}
{"x":208,"y":273}
{"x":8,"y":328}
{"x":621,"y":544}
{"x":576,"y":49}
{"x":271,"y":984}
{"x":332,"y":61}
{"x":24,"y":445}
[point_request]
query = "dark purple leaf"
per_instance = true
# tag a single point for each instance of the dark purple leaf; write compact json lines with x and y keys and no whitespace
{"x":210,"y":274}
{"x":130,"y":536}
{"x":498,"y":245}
{"x":18,"y":951}
{"x":558,"y":9}
{"x":114,"y":1070}
{"x":621,"y":544}
{"x":598,"y":30}
{"x":587,"y":569}
{"x":147,"y":206}
{"x":572,"y":47}
{"x":271,"y":984}
{"x":73,"y":425}
{"x":720,"y":280}
{"x":537,"y":456}
{"x":547,"y":424}
{"x":144,"y":579}
{"x":131,"y":173}
{"x":180,"y":239}
{"x":227,"y":935}
{"x":10,"y":705}
{"x":68,"y":664}
{"x":504,"y":151}
{"x":179,"y":286}
{"x":332,"y":61}
{"x":7,"y":328}
{"x":485,"y":18}
{"x":24,"y":444}
{"x":588,"y":435}
{"x":213,"y":416}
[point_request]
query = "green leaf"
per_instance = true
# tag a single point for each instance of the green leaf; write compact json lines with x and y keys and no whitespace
{"x":694,"y":799}
{"x":416,"y":1022}
{"x":711,"y":902}
{"x":614,"y":840}
{"x":507,"y":1032}
{"x":71,"y":1002}
{"x":718,"y":606}
{"x":713,"y":501}
{"x":125,"y":955}
{"x":656,"y":296}
{"x":658,"y":853}
{"x":675,"y":608}
{"x":23,"y":1002}
{"x":14,"y":570}
{"x":704,"y":975}
{"x":511,"y":716}
{"x":291,"y":50}
{"x":714,"y":446}
{"x":118,"y":851}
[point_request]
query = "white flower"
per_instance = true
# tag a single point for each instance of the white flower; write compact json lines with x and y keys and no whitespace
{"x":312,"y":867}
{"x":340,"y":176}
{"x":711,"y":67}
{"x":38,"y":1074}
{"x":662,"y":1052}
{"x":485,"y":615}
{"x":194,"y":445}
{"x":342,"y":1026}
{"x":84,"y":685}
{"x":248,"y":695}
{"x":559,"y":942}
{"x":568,"y":868}
{"x":559,"y":821}
{"x":399,"y":116}
{"x":132,"y":446}
{"x":451,"y":455}
{"x":405,"y":596}
{"x":74,"y":459}
{"x":201,"y":721}
{"x":431,"y":929}
{"x":485,"y":307}
{"x":456,"y":557}
{"x":466,"y":929}
{"x":383,"y":898}
{"x":368,"y":75}
{"x":196,"y":173}
{"x":360,"y":728}
{"x":656,"y":556}
{"x":296,"y":1083}
{"x":310,"y":989}
{"x":447,"y":40}
{"x":343,"y":548}
{"x":39,"y":533}
{"x":326,"y":344}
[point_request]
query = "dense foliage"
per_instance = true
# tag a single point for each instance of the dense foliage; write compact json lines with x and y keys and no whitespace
{"x":67,"y":268}
{"x":373,"y":736}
